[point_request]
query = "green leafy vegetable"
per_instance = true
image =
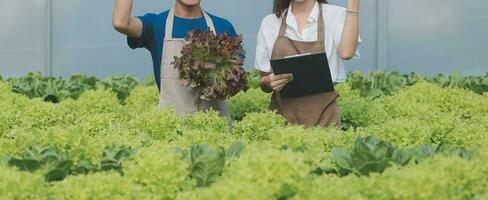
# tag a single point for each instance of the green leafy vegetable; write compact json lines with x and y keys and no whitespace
{"x":376,"y":84}
{"x":235,"y":150}
{"x":254,"y":78}
{"x":367,"y":155}
{"x":113,"y":158}
{"x":121,"y":85}
{"x":56,"y":89}
{"x":206,"y":164}
{"x":252,"y":100}
{"x":57,"y":165}
{"x":371,"y":155}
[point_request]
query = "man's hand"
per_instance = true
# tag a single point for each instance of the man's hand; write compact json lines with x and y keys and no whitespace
{"x":123,"y":22}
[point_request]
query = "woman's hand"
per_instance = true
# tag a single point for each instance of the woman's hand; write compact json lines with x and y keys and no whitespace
{"x":278,"y":82}
{"x":271,"y":82}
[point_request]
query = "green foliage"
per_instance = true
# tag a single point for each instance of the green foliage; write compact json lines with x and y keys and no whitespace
{"x":235,"y":150}
{"x":121,"y":85}
{"x":206,"y":164}
{"x":21,"y":185}
{"x":376,"y":84}
{"x":97,"y":186}
{"x":160,"y":171}
{"x":205,"y":121}
{"x":437,"y":178}
{"x":161,"y":124}
{"x":371,"y":155}
{"x":254,"y":78}
{"x":113,"y":158}
{"x":256,"y":126}
{"x":367,"y":155}
{"x":94,"y":102}
{"x":143,"y":98}
{"x":260,"y":173}
{"x":56,"y":89}
{"x":253,"y":100}
{"x":57,"y":165}
{"x":77,"y":84}
{"x":357,"y":111}
{"x":476,"y":84}
{"x":440,"y":135}
{"x":52,"y":89}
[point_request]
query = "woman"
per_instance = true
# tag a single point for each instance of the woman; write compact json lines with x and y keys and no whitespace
{"x":307,"y":26}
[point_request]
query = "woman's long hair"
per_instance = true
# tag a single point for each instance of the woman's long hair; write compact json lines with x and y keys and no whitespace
{"x":280,"y":6}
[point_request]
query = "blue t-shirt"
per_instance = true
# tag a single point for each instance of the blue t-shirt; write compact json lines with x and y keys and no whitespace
{"x":153,"y":33}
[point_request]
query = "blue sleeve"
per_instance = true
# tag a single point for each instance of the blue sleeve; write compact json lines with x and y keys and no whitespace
{"x":231,"y":31}
{"x":147,"y":36}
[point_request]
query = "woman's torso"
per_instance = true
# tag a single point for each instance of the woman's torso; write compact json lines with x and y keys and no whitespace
{"x":334,"y":17}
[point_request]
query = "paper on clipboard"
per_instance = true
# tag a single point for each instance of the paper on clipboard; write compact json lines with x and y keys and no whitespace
{"x":298,"y":55}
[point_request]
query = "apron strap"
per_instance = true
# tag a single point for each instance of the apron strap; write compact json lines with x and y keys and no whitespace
{"x":170,"y":22}
{"x":321,"y":25}
{"x":283,"y":25}
{"x":320,"y":28}
{"x":209,"y":21}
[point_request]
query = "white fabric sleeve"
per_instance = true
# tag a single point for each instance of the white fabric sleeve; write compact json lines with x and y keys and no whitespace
{"x":263,"y":52}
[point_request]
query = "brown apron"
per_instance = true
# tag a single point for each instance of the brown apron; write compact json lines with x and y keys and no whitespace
{"x":184,"y":100}
{"x":313,"y":110}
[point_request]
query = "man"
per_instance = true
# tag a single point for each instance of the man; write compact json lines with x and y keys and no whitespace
{"x":163,"y":35}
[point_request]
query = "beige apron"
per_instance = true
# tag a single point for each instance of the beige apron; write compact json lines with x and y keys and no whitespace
{"x":313,"y":110}
{"x":184,"y":99}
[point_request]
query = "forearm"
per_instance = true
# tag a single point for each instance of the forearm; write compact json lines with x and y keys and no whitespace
{"x":350,"y":34}
{"x":123,"y":21}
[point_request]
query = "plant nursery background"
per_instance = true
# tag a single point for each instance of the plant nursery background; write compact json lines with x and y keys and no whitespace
{"x":93,"y":132}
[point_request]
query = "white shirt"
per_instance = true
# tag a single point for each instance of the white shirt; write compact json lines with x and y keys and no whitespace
{"x":334,"y":18}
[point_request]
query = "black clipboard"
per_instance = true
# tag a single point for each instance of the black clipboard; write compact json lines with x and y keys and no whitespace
{"x":311,"y":74}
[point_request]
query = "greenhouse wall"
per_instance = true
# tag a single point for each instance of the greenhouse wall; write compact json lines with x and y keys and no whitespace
{"x":59,"y":37}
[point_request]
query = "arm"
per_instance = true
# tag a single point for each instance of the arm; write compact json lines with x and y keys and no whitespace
{"x":123,"y":22}
{"x":231,"y":31}
{"x":348,"y":44}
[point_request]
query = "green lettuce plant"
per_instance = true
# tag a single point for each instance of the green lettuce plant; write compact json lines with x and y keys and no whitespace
{"x":56,"y":164}
{"x":372,"y":155}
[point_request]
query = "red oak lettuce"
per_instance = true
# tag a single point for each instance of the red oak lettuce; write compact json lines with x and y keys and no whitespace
{"x":212,"y":65}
